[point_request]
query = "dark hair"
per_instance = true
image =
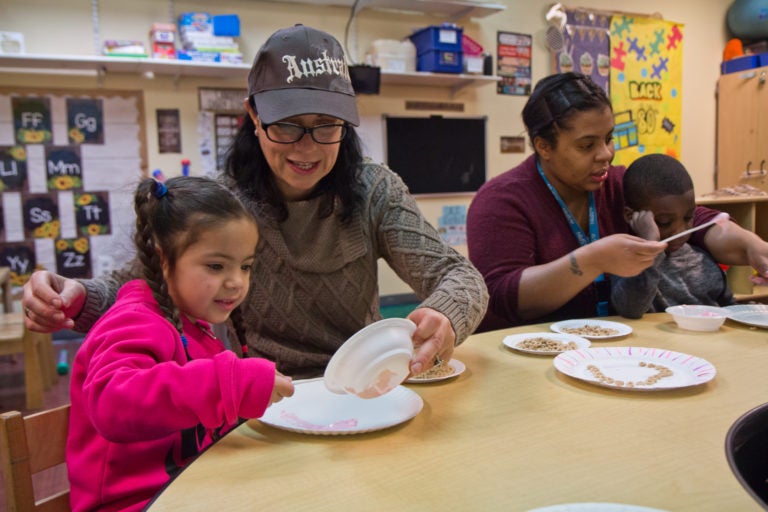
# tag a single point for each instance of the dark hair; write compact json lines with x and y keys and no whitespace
{"x":555,"y":99}
{"x":172,"y":216}
{"x":652,"y":176}
{"x":247,"y":167}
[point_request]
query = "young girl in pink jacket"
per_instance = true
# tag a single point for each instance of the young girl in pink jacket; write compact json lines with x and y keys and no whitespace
{"x":151,"y":385}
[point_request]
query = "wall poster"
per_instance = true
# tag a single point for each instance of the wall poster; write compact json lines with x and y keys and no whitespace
{"x":513,"y":63}
{"x":646,"y":87}
{"x":70,"y":161}
{"x":585,"y":45}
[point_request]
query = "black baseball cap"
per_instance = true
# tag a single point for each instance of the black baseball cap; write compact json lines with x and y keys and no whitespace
{"x":301,"y":70}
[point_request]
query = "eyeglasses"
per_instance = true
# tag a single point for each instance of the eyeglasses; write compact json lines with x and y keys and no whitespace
{"x":288,"y":133}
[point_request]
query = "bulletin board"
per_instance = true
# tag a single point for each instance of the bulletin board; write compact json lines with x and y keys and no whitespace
{"x":436,"y":154}
{"x":70,"y":161}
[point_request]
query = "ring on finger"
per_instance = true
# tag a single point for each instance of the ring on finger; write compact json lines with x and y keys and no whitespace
{"x":26,"y":312}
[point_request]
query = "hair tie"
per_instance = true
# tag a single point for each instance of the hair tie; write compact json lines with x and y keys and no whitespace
{"x":159,"y":189}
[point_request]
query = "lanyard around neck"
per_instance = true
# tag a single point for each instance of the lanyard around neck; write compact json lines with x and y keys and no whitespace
{"x":594,"y":233}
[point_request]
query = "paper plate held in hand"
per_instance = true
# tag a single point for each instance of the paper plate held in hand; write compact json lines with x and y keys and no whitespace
{"x":374,"y":360}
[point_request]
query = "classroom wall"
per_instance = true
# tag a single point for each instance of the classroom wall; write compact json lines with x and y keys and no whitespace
{"x":67,"y":27}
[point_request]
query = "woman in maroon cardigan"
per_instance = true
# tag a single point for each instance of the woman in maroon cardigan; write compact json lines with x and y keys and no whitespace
{"x":547,"y":234}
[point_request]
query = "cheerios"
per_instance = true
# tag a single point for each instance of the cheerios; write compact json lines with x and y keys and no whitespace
{"x":540,"y":344}
{"x":661,"y":373}
{"x":591,"y":330}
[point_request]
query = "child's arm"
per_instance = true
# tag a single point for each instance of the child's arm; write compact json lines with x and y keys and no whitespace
{"x":633,"y":296}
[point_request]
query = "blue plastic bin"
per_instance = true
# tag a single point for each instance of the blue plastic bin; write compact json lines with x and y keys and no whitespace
{"x":446,"y":37}
{"x":740,"y":64}
{"x":226,"y":25}
{"x":440,"y":61}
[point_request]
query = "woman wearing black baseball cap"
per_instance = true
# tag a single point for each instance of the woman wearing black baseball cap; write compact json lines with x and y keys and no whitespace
{"x":326,"y":216}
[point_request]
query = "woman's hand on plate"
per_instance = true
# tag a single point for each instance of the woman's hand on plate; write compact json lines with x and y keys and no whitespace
{"x":433,"y":339}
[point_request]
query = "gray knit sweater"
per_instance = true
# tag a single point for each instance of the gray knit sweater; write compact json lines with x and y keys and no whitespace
{"x":687,"y":276}
{"x":315,"y":281}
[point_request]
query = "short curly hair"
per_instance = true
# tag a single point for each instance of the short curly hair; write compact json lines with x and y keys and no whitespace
{"x":652,"y":176}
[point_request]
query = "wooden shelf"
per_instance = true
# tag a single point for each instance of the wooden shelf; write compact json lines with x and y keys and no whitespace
{"x":451,"y":10}
{"x":95,"y":65}
{"x":61,"y":64}
{"x":750,"y":213}
{"x":454,"y":82}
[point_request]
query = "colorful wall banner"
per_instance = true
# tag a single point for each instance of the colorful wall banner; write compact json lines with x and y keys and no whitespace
{"x":646,"y":86}
{"x":585,"y":45}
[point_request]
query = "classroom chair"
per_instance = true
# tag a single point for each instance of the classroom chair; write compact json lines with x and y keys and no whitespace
{"x":28,"y":446}
{"x":39,"y":358}
{"x":746,"y":445}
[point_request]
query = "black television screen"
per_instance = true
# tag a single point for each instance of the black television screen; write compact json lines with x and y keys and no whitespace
{"x":437,"y":155}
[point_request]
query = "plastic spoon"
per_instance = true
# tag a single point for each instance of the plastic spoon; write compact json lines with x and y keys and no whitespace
{"x":719,"y":219}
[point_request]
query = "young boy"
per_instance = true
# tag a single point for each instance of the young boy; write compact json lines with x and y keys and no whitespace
{"x":659,"y":202}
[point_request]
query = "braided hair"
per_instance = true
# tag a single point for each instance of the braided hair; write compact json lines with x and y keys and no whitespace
{"x":557,"y":98}
{"x":172,"y":216}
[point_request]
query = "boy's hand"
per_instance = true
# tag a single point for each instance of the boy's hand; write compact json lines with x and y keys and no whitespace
{"x":644,"y":226}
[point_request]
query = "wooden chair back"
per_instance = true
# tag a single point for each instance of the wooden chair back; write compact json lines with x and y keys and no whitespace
{"x":39,"y":359}
{"x":28,"y":446}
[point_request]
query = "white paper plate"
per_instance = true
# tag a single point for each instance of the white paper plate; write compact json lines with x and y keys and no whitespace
{"x":630,"y":364}
{"x":595,"y":507}
{"x":514,"y":341}
{"x":458,"y":369}
{"x":755,"y":315}
{"x":620,"y":329}
{"x":313,"y":409}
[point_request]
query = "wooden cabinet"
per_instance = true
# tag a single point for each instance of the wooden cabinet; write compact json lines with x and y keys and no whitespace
{"x":750,"y":213}
{"x":742,"y":126}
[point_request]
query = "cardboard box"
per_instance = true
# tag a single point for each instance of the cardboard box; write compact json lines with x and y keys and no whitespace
{"x":11,"y":43}
{"x":124,"y":48}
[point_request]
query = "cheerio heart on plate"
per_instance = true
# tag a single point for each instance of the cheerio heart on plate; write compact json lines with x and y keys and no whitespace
{"x":374,"y":361}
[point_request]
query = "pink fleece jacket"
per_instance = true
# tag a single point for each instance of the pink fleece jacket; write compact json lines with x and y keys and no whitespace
{"x":141,"y":410}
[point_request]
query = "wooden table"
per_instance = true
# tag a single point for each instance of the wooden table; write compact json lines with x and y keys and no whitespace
{"x":510,"y":434}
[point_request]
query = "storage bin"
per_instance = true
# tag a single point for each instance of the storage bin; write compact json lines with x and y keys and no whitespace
{"x":392,"y":55}
{"x":762,"y":59}
{"x":739,"y":64}
{"x":440,"y":61}
{"x":446,"y":37}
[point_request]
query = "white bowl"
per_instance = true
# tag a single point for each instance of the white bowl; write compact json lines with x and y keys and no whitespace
{"x":698,"y":318}
{"x":374,"y":361}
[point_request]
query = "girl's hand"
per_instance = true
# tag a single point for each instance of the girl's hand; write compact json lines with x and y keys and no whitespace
{"x":283,"y":388}
{"x":434,"y":338}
